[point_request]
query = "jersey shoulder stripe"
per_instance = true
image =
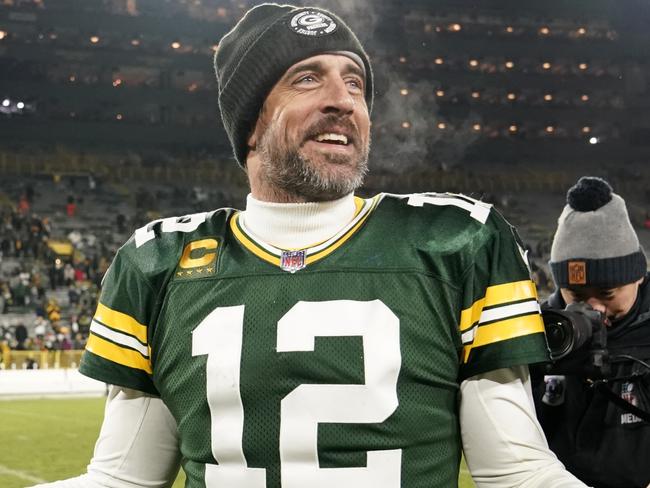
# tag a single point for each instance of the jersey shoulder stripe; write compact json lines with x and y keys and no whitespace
{"x":121,"y":322}
{"x":507,"y":311}
{"x":118,"y":353}
{"x":497,"y":296}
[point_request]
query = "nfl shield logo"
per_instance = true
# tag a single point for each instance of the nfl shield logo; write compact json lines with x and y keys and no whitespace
{"x":292,"y":261}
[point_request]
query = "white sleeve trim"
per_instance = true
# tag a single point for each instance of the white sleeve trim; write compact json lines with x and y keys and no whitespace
{"x":503,"y":442}
{"x":137,"y":429}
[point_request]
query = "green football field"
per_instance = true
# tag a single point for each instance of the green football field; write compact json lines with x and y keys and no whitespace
{"x":46,"y":440}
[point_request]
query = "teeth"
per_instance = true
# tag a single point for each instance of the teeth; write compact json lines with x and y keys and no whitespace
{"x":332,"y":137}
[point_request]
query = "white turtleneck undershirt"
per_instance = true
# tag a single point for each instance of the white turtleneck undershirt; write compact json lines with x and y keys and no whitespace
{"x":296,"y":225}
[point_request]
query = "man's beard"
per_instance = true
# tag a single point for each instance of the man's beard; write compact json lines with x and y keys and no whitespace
{"x":283,"y":167}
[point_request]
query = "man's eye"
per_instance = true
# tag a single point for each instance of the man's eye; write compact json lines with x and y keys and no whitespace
{"x":356,"y":84}
{"x":306,"y":79}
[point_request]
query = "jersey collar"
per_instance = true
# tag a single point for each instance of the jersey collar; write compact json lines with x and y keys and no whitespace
{"x":277,"y":256}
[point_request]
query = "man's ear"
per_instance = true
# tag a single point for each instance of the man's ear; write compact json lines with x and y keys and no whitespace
{"x":251,"y":142}
{"x":257,"y":131}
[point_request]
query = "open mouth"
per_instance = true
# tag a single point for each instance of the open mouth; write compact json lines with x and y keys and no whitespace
{"x":332,"y":138}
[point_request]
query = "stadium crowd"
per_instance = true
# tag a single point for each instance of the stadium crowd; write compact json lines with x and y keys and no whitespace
{"x":50,"y":296}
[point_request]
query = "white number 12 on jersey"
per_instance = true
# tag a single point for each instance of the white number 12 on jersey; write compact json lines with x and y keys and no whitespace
{"x":219,"y":336}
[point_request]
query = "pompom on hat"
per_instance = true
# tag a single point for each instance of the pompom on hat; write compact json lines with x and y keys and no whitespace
{"x":595,"y":243}
{"x":266,"y":42}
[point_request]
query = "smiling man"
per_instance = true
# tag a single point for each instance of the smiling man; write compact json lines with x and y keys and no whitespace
{"x":316,"y":339}
{"x":311,"y":140}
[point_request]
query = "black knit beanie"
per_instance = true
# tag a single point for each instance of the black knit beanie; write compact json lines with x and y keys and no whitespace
{"x":255,"y":54}
{"x":595,"y":243}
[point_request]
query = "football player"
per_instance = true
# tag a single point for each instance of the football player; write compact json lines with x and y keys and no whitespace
{"x":316,"y":339}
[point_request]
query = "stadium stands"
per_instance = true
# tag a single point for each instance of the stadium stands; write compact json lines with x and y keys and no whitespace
{"x":109,"y":119}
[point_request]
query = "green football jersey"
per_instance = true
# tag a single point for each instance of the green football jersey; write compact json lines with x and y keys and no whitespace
{"x":334,"y":366}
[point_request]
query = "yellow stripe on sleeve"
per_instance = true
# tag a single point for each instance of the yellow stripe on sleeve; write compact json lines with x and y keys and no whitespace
{"x":117,"y":354}
{"x":497,"y":295}
{"x":470,"y":316}
{"x":122,"y":322}
{"x":504,"y":330}
{"x":510,"y":292}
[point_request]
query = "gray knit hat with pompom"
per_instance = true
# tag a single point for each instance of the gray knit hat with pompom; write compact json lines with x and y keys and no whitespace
{"x":595,"y":243}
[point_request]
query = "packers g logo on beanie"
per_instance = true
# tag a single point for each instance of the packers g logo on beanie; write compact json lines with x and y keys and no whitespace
{"x":312,"y":23}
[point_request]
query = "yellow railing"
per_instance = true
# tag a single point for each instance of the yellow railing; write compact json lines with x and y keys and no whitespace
{"x":39,"y":359}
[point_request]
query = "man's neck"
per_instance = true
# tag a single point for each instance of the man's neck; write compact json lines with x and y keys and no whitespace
{"x":297,"y":225}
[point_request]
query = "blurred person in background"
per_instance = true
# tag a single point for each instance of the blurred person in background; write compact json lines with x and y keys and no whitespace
{"x":303,"y":342}
{"x":587,"y":405}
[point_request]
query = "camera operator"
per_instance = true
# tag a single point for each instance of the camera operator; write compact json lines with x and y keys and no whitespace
{"x":588,"y":399}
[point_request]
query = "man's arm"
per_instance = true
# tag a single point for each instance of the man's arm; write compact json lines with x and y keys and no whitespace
{"x":503,"y":442}
{"x":137,"y":446}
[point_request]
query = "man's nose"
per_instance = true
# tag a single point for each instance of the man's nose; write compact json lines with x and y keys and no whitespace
{"x":597,"y":305}
{"x":337,"y":98}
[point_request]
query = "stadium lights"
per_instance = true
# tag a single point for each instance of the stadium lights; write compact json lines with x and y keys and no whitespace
{"x":3,"y":34}
{"x":476,"y":94}
{"x":404,"y":92}
{"x":548,"y":97}
{"x":72,"y":78}
{"x":455,"y":27}
{"x":176,"y":45}
{"x":544,"y":31}
{"x":593,"y":140}
{"x":510,"y":29}
{"x":6,"y":102}
{"x":20,"y":105}
{"x":94,"y":39}
{"x":510,"y":64}
{"x":117,"y":83}
{"x":584,"y":98}
{"x":582,"y":31}
{"x":512,"y":96}
{"x":583,"y":66}
{"x":473,"y":63}
{"x":406,"y":124}
{"x":442,"y":125}
{"x":546,"y":65}
{"x":513,"y":128}
{"x":476,"y":127}
{"x":135,"y":42}
{"x":440,"y":93}
{"x":550,"y":129}
{"x":118,"y":116}
{"x":402,"y":59}
{"x":439,"y":61}
{"x":586,"y":129}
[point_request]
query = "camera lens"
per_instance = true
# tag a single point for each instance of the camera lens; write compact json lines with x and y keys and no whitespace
{"x":559,"y":334}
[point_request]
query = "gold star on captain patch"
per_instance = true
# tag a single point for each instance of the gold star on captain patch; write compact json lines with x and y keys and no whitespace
{"x":200,"y":270}
{"x":209,"y":270}
{"x":189,"y":272}
{"x":180,"y":273}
